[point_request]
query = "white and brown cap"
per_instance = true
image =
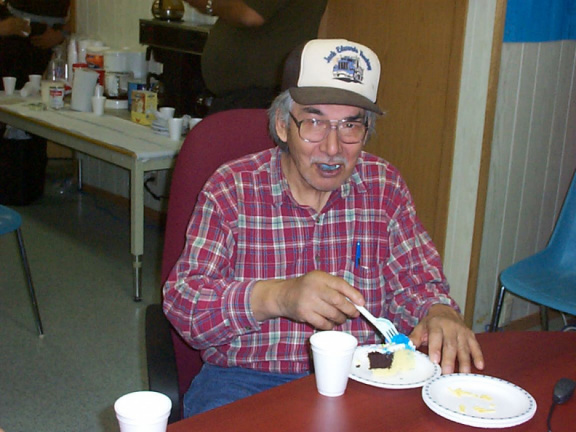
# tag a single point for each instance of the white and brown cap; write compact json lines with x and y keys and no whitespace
{"x":333,"y":72}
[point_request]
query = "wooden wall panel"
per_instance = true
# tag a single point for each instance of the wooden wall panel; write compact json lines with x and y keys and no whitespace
{"x":533,"y":160}
{"x":420,"y":48}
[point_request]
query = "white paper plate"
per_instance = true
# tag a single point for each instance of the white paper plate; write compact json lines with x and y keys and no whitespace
{"x":479,"y":400}
{"x":423,"y":371}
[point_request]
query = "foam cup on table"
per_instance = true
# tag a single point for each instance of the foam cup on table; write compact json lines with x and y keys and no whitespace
{"x":35,"y":79}
{"x":98,"y":103}
{"x":9,"y":85}
{"x":175,"y":128}
{"x":332,"y":352}
{"x":143,"y":411}
{"x":29,"y":89}
{"x":167,"y":112}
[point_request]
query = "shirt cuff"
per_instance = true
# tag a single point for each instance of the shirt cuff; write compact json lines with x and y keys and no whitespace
{"x":239,"y":309}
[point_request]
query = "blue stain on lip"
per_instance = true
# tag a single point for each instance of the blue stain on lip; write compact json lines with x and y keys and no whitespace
{"x":327,"y":167}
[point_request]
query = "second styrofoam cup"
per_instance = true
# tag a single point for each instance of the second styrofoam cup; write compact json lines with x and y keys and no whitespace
{"x":143,"y":411}
{"x":332,"y":352}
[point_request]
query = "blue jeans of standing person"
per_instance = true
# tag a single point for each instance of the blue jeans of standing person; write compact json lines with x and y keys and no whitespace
{"x":215,"y":386}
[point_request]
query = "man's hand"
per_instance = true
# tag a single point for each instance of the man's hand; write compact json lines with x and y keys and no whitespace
{"x":49,"y":39}
{"x":448,"y":338}
{"x":13,"y":26}
{"x":317,"y":298}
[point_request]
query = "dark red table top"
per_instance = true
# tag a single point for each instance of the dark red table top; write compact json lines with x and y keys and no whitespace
{"x":531,"y":360}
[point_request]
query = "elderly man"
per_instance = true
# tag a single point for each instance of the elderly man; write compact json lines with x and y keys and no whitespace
{"x":283,"y":243}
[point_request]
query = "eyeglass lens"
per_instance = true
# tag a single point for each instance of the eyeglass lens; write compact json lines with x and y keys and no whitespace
{"x":314,"y":130}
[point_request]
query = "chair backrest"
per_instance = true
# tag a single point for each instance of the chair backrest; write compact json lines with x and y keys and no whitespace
{"x":217,"y":139}
{"x":563,"y":241}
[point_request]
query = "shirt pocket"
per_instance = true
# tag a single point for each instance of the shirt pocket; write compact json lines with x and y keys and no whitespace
{"x":370,"y":281}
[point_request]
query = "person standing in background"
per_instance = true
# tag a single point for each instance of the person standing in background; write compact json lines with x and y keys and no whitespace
{"x":12,"y":26}
{"x":244,"y":55}
{"x":22,"y":55}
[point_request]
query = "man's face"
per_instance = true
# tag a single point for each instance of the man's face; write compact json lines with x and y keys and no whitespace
{"x":322,"y":166}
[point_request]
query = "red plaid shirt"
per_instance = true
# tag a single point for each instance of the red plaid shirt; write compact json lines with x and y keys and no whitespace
{"x":247,"y":227}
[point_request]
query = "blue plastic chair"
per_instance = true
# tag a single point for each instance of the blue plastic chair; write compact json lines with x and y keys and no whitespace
{"x":11,"y":220}
{"x":547,"y":278}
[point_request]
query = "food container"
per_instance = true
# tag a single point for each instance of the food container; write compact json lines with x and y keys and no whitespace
{"x":116,"y":84}
{"x":116,"y":61}
{"x":95,"y":57}
{"x":133,"y":85}
{"x":144,"y":105}
{"x":56,"y":95}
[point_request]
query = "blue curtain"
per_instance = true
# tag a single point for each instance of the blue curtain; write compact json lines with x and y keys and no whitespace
{"x":540,"y":20}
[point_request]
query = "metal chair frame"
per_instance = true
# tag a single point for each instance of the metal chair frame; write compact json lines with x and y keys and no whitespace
{"x":10,"y":220}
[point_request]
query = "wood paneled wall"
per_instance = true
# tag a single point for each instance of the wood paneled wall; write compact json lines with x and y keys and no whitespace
{"x":420,"y":47}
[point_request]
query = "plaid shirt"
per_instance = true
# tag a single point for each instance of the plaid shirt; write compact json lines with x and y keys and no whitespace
{"x":247,"y":227}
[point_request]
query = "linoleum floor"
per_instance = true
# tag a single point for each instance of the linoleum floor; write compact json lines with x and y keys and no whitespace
{"x":78,"y":247}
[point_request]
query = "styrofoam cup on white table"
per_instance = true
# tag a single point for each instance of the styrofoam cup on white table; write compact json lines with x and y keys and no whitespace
{"x":332,"y":352}
{"x":9,"y":85}
{"x":167,"y":112}
{"x":29,"y":89}
{"x":35,"y":79}
{"x":98,"y":103}
{"x":143,"y":411}
{"x":175,"y":128}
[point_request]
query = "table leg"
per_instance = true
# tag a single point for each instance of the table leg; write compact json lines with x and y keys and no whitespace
{"x":80,"y":174}
{"x":137,"y":269}
{"x":137,"y":225}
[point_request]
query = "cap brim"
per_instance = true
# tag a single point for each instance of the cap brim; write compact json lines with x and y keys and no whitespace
{"x":331,"y":96}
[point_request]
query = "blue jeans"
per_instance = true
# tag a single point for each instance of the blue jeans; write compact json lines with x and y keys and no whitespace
{"x":215,"y":386}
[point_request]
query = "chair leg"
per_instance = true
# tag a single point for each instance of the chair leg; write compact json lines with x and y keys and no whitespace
{"x":544,"y":318}
{"x":31,"y":290}
{"x":497,"y":310}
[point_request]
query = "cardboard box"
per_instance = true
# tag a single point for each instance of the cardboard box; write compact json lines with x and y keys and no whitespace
{"x":144,"y":105}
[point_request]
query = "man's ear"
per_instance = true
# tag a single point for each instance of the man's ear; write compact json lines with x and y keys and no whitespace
{"x":281,"y":128}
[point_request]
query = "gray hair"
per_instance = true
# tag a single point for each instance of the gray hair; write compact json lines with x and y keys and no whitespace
{"x":281,"y":107}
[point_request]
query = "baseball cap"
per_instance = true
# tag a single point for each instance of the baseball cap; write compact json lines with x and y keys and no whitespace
{"x":333,"y":72}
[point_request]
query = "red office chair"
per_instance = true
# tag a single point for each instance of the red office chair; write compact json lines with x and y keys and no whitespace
{"x":224,"y":136}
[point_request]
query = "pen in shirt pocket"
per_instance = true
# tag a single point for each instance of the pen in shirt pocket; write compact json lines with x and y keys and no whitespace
{"x":358,"y":254}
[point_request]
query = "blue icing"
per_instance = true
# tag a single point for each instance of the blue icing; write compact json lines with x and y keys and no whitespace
{"x":402,"y":339}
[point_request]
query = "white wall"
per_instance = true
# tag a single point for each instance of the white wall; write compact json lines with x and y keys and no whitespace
{"x":116,"y":23}
{"x":533,"y":159}
{"x":468,"y":145}
{"x":113,"y":21}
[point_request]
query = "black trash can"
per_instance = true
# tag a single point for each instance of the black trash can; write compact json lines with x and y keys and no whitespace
{"x":22,"y":170}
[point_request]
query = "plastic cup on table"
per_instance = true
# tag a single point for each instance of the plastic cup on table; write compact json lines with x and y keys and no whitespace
{"x":143,"y":411}
{"x":332,"y":352}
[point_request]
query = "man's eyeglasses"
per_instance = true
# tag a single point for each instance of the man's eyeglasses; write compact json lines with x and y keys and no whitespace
{"x":314,"y":130}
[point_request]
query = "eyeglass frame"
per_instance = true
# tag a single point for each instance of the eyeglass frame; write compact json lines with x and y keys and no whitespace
{"x":332,"y":126}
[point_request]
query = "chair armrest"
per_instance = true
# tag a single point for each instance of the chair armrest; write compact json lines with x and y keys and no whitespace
{"x":160,"y":358}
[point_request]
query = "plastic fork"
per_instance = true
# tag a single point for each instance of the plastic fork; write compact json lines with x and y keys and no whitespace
{"x":383,"y":325}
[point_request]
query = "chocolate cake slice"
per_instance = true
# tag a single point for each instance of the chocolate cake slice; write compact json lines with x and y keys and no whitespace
{"x":379,"y":360}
